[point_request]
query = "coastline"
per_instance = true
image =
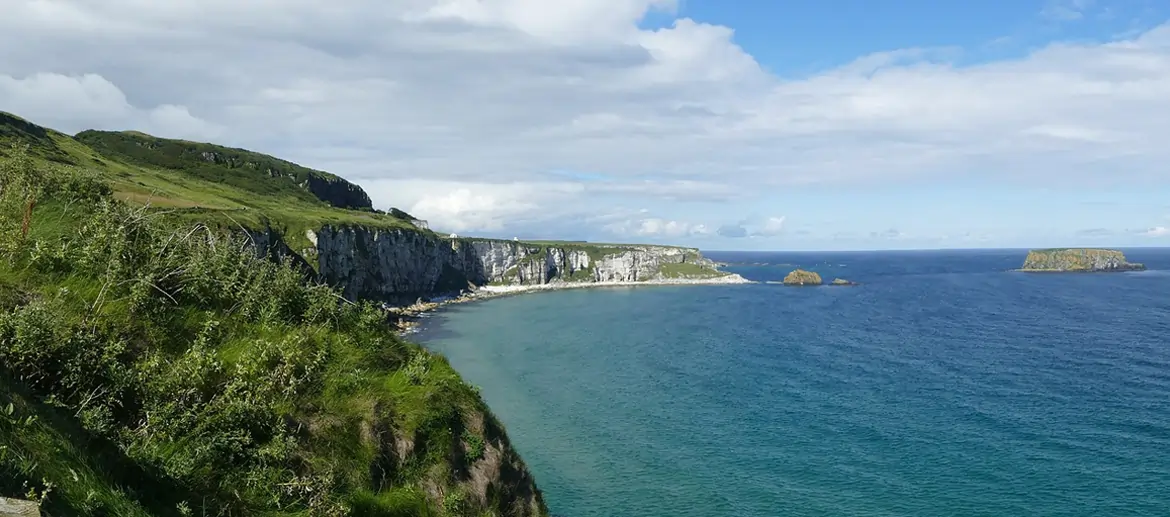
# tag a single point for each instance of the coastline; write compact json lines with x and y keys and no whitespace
{"x":408,"y":316}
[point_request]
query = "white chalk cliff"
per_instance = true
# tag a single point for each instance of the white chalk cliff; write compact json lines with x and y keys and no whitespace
{"x":400,"y":265}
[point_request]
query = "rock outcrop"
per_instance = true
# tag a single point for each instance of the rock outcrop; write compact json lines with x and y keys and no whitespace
{"x":802,"y":277}
{"x":337,"y":192}
{"x":1078,"y":260}
{"x":397,"y":265}
{"x":19,"y":508}
{"x":841,"y":282}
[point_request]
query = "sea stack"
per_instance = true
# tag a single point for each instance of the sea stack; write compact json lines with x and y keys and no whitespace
{"x":1078,"y":260}
{"x":802,"y":277}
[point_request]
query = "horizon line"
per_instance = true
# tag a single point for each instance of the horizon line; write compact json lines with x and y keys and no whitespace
{"x":936,"y":249}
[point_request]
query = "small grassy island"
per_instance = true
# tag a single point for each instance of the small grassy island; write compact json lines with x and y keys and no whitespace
{"x":802,"y":278}
{"x":1078,"y":260}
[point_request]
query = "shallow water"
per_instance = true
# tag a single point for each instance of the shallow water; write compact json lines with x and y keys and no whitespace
{"x":943,"y":385}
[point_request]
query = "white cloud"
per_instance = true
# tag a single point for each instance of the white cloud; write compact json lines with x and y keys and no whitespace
{"x":483,"y":207}
{"x":89,"y":101}
{"x":1157,"y":231}
{"x":458,"y":109}
{"x":773,"y":226}
{"x":657,"y":227}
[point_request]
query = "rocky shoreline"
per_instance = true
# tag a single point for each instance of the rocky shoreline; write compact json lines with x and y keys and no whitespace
{"x":408,"y":316}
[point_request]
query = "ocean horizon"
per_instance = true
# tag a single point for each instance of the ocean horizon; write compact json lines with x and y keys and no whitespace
{"x":943,"y":384}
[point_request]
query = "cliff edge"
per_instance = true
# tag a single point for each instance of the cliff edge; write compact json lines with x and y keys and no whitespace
{"x":1078,"y":260}
{"x":399,"y":265}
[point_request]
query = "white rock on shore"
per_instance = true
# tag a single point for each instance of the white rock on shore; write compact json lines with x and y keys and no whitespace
{"x":729,"y":279}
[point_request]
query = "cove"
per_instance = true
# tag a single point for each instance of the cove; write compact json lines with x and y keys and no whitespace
{"x":942,"y":385}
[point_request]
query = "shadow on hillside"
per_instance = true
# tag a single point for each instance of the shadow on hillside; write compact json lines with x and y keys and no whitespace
{"x":52,"y":446}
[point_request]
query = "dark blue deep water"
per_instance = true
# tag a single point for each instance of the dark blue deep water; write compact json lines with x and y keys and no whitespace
{"x":943,"y":385}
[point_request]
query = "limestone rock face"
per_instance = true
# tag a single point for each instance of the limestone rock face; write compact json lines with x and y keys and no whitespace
{"x":395,"y":265}
{"x":1078,"y":259}
{"x":802,"y":277}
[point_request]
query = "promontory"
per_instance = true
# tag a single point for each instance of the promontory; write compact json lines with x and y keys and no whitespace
{"x":1078,"y":260}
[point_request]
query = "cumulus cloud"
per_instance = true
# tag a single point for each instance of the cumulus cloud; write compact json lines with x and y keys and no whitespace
{"x":458,"y":109}
{"x":773,"y":226}
{"x":89,"y":101}
{"x":657,"y":227}
{"x":769,"y":227}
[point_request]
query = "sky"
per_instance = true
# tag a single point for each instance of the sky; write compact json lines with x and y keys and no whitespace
{"x":724,"y":125}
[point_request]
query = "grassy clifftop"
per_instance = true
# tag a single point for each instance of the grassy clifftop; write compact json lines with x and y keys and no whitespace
{"x":247,"y":170}
{"x":203,"y":182}
{"x":150,"y":366}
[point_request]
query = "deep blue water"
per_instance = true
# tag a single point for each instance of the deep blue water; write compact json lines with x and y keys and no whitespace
{"x":943,"y":385}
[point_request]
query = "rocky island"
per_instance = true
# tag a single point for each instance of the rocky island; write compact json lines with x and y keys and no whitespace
{"x":1078,"y":260}
{"x":841,"y":282}
{"x":801,"y":277}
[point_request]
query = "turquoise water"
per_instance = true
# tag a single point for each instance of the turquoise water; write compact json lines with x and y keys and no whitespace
{"x":943,"y":385}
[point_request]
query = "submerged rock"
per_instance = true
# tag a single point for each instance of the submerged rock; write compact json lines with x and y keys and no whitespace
{"x":802,"y":277}
{"x":1078,"y":260}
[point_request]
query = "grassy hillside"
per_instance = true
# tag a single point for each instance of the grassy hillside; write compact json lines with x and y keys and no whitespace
{"x":153,"y":367}
{"x":204,"y":182}
{"x":253,"y":172}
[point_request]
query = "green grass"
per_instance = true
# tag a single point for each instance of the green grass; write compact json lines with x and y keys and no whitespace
{"x":688,"y":270}
{"x":160,"y":368}
{"x":242,"y":188}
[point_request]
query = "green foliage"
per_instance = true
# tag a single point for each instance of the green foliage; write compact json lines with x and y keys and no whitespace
{"x":688,"y":270}
{"x":193,"y":182}
{"x":455,"y":503}
{"x":160,"y":368}
{"x":475,"y":446}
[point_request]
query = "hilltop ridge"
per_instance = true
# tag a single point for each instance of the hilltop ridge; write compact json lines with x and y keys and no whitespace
{"x":238,"y":167}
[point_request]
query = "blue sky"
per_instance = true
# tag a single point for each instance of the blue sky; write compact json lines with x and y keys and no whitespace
{"x":754,"y":125}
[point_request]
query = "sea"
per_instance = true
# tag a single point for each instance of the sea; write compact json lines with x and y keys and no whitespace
{"x":944,"y":384}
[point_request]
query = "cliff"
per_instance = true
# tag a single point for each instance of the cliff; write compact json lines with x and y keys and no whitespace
{"x":180,"y":367}
{"x":401,"y":265}
{"x":1078,"y":260}
{"x":228,"y":386}
{"x":151,"y":365}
